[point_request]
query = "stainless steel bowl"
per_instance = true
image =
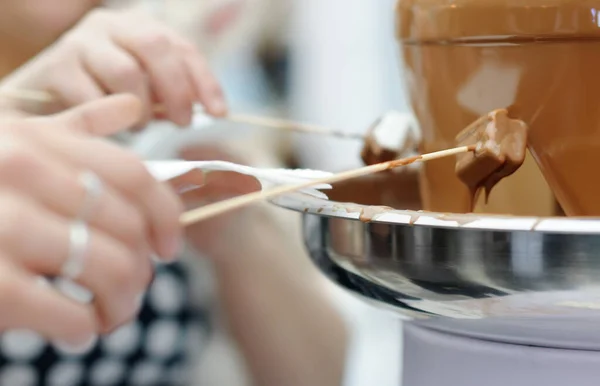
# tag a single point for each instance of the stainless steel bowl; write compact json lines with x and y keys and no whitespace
{"x":514,"y":272}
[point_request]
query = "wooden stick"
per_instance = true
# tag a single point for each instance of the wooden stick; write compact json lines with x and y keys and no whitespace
{"x":281,"y":124}
{"x":212,"y":210}
{"x":291,"y":126}
{"x":28,"y":95}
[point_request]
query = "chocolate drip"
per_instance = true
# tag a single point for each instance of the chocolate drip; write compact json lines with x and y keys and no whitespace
{"x":501,"y":145}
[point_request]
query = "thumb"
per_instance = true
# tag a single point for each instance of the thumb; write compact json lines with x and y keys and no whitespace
{"x":103,"y":117}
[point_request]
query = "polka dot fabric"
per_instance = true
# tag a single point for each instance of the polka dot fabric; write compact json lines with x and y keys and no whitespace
{"x":152,"y":350}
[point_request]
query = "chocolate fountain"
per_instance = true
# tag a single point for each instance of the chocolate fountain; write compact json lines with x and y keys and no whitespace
{"x":507,"y":295}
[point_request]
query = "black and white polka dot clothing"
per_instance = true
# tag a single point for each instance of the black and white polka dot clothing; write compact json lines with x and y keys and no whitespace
{"x":152,"y":350}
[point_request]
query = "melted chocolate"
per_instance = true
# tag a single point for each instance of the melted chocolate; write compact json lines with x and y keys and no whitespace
{"x":389,"y":138}
{"x":395,"y":188}
{"x":403,"y":162}
{"x":373,"y":153}
{"x":500,"y":150}
{"x":368,"y":213}
{"x":391,"y":188}
{"x":537,"y":59}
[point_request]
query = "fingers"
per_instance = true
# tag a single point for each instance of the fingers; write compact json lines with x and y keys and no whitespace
{"x":205,"y":84}
{"x":102,"y":117}
{"x":40,"y":241}
{"x":118,"y":72}
{"x":77,"y":89}
{"x":36,"y":219}
{"x":118,"y":52}
{"x":210,"y":94}
{"x":159,"y":204}
{"x":179,"y":73}
{"x":28,"y":304}
{"x":118,"y":278}
{"x":59,"y":188}
{"x":157,"y":54}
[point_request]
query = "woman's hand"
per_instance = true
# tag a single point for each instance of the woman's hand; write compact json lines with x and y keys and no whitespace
{"x":112,"y":52}
{"x":226,"y":235}
{"x":270,"y":292}
{"x":128,"y":215}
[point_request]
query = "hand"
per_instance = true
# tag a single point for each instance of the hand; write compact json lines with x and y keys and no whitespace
{"x":41,"y":160}
{"x":231,"y":232}
{"x":112,"y":52}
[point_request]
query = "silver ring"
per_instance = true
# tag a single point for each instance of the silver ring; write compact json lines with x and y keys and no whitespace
{"x":79,"y":240}
{"x":93,"y":189}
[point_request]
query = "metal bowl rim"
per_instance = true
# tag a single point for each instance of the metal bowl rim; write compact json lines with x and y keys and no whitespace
{"x":305,"y":203}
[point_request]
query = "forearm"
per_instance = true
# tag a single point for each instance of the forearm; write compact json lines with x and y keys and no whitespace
{"x":280,"y":316}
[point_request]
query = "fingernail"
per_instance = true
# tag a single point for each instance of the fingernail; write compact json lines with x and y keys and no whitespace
{"x":77,"y":348}
{"x":219,"y":107}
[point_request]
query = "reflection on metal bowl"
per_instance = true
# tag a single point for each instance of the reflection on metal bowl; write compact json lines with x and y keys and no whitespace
{"x":482,"y":275}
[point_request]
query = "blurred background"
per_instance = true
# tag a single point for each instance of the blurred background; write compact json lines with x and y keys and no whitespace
{"x":330,"y":62}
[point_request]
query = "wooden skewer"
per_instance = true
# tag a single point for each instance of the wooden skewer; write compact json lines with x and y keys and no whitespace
{"x":28,"y":95}
{"x":209,"y":211}
{"x":292,"y":126}
{"x":45,"y":97}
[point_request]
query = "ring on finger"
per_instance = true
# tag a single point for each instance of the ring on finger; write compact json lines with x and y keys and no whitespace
{"x":79,"y":240}
{"x":93,"y":187}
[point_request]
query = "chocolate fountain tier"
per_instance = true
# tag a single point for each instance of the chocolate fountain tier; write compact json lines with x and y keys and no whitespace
{"x":439,"y":20}
{"x":538,"y":59}
{"x":516,"y":277}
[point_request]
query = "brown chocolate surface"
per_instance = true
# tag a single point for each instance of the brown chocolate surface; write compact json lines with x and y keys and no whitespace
{"x":537,"y":59}
{"x":500,"y":150}
{"x":390,"y":137}
{"x":373,"y":153}
{"x":438,"y":21}
{"x":398,"y":189}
